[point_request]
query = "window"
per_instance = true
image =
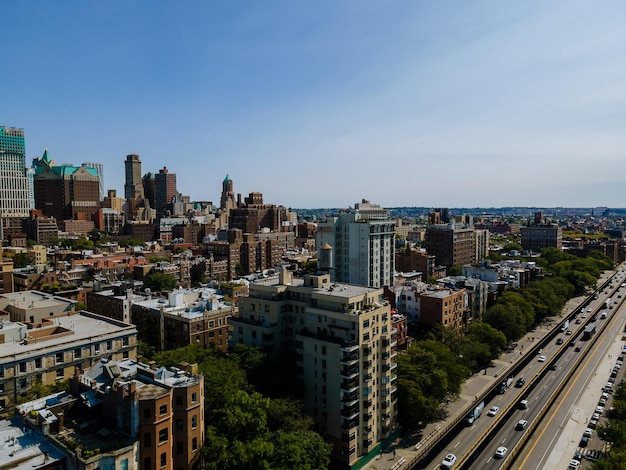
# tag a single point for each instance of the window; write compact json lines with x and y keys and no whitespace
{"x":125,"y":341}
{"x":194,"y":444}
{"x":58,"y":358}
{"x":1,"y":371}
{"x":179,"y":425}
{"x":147,"y":440}
{"x":125,"y":355}
{"x":22,"y":367}
{"x":109,"y":345}
{"x":38,"y":363}
{"x":60,"y":374}
{"x":162,"y":410}
{"x":194,"y":421}
{"x":163,"y":436}
{"x":78,"y":353}
{"x":194,"y":397}
{"x":163,"y":459}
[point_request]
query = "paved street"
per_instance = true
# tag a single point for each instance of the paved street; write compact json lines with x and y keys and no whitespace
{"x":403,"y":451}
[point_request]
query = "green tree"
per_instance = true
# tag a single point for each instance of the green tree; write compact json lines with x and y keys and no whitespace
{"x":159,"y":282}
{"x":455,"y":271}
{"x":494,"y":339}
{"x":21,"y":260}
{"x":39,"y":390}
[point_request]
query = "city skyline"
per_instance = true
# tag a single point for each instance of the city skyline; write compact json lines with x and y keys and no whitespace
{"x":463,"y":104}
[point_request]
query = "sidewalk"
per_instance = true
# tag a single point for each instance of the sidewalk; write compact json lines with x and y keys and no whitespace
{"x":399,"y":454}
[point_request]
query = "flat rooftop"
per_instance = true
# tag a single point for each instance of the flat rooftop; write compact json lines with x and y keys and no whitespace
{"x":22,"y":448}
{"x":80,"y":326}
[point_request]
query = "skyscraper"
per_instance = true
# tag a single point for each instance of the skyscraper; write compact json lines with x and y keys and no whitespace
{"x":164,"y":190}
{"x":100,"y":169}
{"x":66,"y":192}
{"x":227,"y":201}
{"x":133,"y":187}
{"x":14,"y":195}
{"x":363,"y":245}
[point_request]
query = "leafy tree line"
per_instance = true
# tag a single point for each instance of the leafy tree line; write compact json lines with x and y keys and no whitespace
{"x":614,"y":433}
{"x":246,"y":429}
{"x":433,"y":370}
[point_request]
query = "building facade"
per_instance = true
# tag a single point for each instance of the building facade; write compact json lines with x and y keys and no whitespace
{"x":15,"y":190}
{"x":345,"y":347}
{"x":164,"y":191}
{"x":50,"y":350}
{"x":66,"y":192}
{"x":362,"y":246}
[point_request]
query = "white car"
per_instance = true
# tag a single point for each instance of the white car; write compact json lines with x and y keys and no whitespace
{"x":542,"y":358}
{"x":595,"y":416}
{"x":500,"y":452}
{"x":599,"y":409}
{"x":493,"y":410}
{"x":448,"y":461}
{"x":588,"y":432}
{"x":573,"y":464}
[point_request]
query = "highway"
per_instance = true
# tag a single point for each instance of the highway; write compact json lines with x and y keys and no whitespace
{"x":577,"y":401}
{"x":538,"y":431}
{"x":475,"y":446}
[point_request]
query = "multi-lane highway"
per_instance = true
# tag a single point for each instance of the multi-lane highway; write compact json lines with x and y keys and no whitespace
{"x":475,"y":446}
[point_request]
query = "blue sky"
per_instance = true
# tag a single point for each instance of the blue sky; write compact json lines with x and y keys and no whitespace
{"x":320,"y":104}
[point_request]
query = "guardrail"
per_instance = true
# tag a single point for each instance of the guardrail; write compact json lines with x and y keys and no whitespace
{"x":426,"y":444}
{"x":553,"y":397}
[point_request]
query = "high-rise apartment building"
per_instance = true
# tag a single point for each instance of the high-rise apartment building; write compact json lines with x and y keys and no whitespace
{"x":344,"y":343}
{"x":227,"y":200}
{"x":14,"y":188}
{"x":164,"y":190}
{"x":65,"y":191}
{"x":133,"y":186}
{"x":100,"y":170}
{"x":362,"y":246}
{"x":453,"y":243}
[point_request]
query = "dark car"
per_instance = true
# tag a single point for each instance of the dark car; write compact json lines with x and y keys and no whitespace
{"x":553,"y":366}
{"x":520,"y":382}
{"x":559,"y":341}
{"x":583,"y":441}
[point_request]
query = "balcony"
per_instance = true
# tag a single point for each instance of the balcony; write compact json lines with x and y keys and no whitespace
{"x":394,"y":377}
{"x":350,"y":424}
{"x":349,"y":359}
{"x":367,"y":351}
{"x":349,"y":386}
{"x":367,"y":377}
{"x":367,"y":416}
{"x":394,"y":389}
{"x":393,"y":366}
{"x":394,"y":352}
{"x":350,"y":412}
{"x":368,"y":429}
{"x":367,"y":403}
{"x":349,"y":372}
{"x":367,"y":364}
{"x":350,"y":399}
{"x":349,"y":347}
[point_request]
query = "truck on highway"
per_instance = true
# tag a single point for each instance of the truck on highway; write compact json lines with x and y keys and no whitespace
{"x":590,"y":330}
{"x":565,"y":325}
{"x":475,"y":413}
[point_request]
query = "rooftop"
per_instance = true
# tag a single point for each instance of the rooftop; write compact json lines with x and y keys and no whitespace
{"x":23,"y":448}
{"x":77,"y":326}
